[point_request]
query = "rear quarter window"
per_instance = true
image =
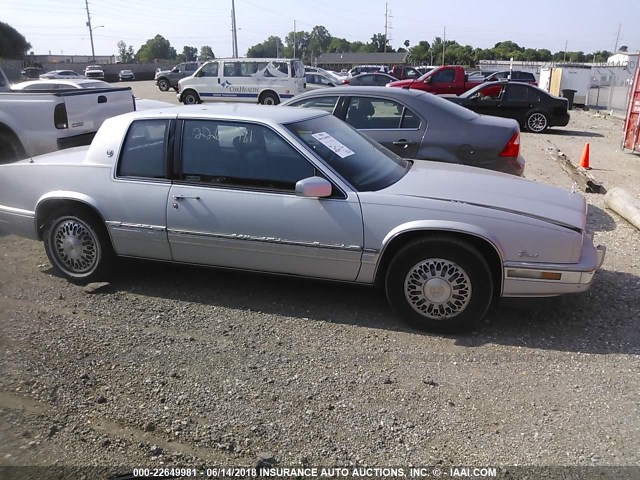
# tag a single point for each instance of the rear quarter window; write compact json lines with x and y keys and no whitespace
{"x":143,"y":154}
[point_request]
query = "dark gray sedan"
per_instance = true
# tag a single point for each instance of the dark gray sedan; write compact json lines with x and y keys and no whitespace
{"x":424,"y":126}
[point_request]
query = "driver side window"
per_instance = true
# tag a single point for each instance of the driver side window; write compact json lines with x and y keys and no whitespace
{"x":240,"y":155}
{"x":444,"y":76}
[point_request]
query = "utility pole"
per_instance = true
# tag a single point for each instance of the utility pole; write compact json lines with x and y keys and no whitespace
{"x":93,"y":52}
{"x":234,"y":31}
{"x":294,"y":39}
{"x":444,"y":42}
{"x":386,"y":20}
{"x":564,"y":57}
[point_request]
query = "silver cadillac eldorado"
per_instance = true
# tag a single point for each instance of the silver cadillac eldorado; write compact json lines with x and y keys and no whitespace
{"x":298,"y":192}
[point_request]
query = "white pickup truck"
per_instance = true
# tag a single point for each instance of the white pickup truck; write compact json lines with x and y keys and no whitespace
{"x":33,"y":123}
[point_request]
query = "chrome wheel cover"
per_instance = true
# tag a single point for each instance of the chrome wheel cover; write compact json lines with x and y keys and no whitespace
{"x":269,"y":101}
{"x":74,"y":246}
{"x":190,"y":99}
{"x":437,"y":288}
{"x":537,"y":122}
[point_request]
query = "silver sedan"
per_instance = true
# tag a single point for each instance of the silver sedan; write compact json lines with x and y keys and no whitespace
{"x":421,"y":125}
{"x":298,"y":192}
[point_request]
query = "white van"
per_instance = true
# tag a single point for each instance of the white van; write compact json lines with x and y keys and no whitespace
{"x":256,"y":80}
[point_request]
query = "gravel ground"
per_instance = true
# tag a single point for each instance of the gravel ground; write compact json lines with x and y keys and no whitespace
{"x":171,"y":365}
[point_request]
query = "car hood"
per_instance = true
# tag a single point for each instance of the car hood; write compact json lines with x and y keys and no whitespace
{"x":493,"y":190}
{"x":401,"y":83}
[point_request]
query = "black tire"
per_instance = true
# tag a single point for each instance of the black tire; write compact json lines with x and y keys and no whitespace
{"x":190,"y":98}
{"x":269,"y":98}
{"x":537,"y":122}
{"x":460,"y":290}
{"x":163,"y":85}
{"x":10,"y":148}
{"x":78,"y":245}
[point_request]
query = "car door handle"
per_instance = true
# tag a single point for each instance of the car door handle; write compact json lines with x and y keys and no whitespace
{"x":403,"y":143}
{"x":185,"y":197}
{"x":102,"y":99}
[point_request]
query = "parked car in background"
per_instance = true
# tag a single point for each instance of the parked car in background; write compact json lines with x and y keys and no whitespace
{"x":400,"y":72}
{"x":302,"y":194}
{"x":446,"y":79}
{"x":166,"y":79}
{"x":31,"y":72}
{"x":33,"y":122}
{"x":61,"y":74}
{"x":259,"y":80}
{"x":367,"y":68}
{"x":94,"y":71}
{"x":378,"y":79}
{"x":532,"y":107}
{"x":315,"y":80}
{"x":415,"y":124}
{"x":124,"y":75}
{"x":515,"y":75}
{"x":60,"y":84}
{"x":425,"y":68}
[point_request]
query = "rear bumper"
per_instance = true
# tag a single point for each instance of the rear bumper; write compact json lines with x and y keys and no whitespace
{"x":560,"y":120}
{"x":522,"y":279}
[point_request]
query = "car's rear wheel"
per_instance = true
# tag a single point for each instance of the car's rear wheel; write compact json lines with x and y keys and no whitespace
{"x":537,"y":122}
{"x":78,"y":245}
{"x":440,"y":284}
{"x":190,"y":98}
{"x":269,"y":98}
{"x":163,"y":85}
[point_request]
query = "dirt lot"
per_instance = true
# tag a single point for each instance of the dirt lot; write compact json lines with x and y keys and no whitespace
{"x":182,"y":366}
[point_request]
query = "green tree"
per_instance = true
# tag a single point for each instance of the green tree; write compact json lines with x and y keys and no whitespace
{"x":420,"y":53}
{"x":339,"y":45}
{"x":156,"y":48}
{"x":190,"y":53}
{"x":125,"y":52}
{"x":270,"y":48}
{"x":301,"y":41}
{"x":378,"y":43}
{"x":319,"y":40}
{"x":206,"y":53}
{"x":12,"y":43}
{"x":506,"y":50}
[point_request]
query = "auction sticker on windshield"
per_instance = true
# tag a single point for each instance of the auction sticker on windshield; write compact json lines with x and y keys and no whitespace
{"x":333,"y":144}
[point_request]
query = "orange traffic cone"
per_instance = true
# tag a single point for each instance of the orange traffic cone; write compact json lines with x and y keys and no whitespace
{"x":584,"y":161}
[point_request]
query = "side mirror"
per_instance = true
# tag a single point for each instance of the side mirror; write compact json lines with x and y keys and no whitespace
{"x":314,"y":187}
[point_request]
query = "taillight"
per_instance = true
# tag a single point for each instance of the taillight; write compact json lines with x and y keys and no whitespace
{"x":512,"y":149}
{"x":346,"y":81}
{"x":134,"y":102}
{"x":60,"y":119}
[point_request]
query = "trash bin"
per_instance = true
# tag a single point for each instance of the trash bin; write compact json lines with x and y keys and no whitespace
{"x":568,"y":94}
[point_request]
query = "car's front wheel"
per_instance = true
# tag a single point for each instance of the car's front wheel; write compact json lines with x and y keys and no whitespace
{"x":163,"y":85}
{"x":78,"y":245}
{"x":440,"y":284}
{"x":537,"y":122}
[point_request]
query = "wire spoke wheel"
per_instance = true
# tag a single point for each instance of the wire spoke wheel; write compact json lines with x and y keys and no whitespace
{"x":537,"y":122}
{"x":75,"y":247}
{"x":437,"y":288}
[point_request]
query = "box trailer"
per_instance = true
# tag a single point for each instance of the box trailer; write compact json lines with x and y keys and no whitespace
{"x":632,"y":120}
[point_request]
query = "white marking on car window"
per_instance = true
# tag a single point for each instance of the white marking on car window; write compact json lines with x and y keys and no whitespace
{"x":333,"y":144}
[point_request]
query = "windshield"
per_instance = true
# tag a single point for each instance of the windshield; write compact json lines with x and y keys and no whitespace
{"x":366,"y":165}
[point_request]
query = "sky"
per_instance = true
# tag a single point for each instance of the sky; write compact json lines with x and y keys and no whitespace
{"x":59,"y":26}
